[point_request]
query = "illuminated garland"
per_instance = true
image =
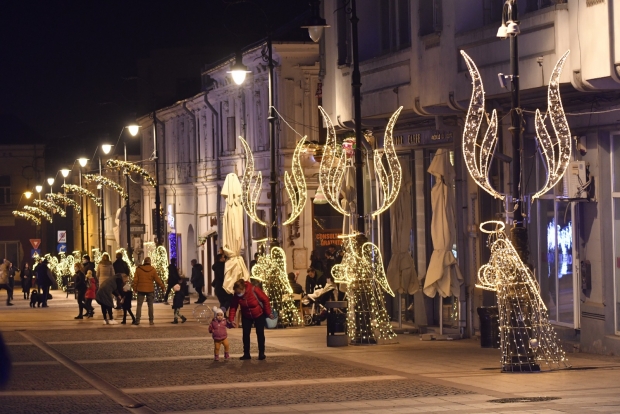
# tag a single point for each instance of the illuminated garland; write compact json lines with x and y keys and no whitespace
{"x":159,"y":259}
{"x":362,"y":270}
{"x":527,"y":338}
{"x":51,"y":207}
{"x":130,"y":167}
{"x":38,"y":212}
{"x":27,"y":216}
{"x":97,"y":256}
{"x":395,"y":176}
{"x":556,"y":160}
{"x":251,"y":184}
{"x":82,"y":192}
{"x":478,"y":162}
{"x":61,"y":199}
{"x":100,"y":179}
{"x":297,"y":192}
{"x":332,"y":167}
{"x":271,"y":270}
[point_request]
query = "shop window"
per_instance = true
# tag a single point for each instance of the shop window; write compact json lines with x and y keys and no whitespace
{"x":492,"y":11}
{"x":533,"y":5}
{"x":395,"y":25}
{"x":430,"y":17}
{"x":5,"y":189}
{"x":343,"y":33}
{"x":231,"y":134}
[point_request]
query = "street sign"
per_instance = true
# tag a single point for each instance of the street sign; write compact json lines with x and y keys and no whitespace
{"x":35,"y":243}
{"x":62,"y":236}
{"x":62,"y":247}
{"x":137,"y":228}
{"x":34,"y":252}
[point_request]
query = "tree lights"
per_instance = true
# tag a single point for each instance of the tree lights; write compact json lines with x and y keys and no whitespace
{"x":527,"y":338}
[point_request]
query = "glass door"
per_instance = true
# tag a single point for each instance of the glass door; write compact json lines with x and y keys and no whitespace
{"x":615,"y":191}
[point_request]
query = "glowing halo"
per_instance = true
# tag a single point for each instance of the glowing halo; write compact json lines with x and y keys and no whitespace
{"x":251,"y":185}
{"x":297,"y":192}
{"x":499,"y":226}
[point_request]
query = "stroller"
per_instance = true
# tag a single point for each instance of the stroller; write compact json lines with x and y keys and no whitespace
{"x":314,"y":303}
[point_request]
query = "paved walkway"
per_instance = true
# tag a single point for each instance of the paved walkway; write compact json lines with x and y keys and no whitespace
{"x":66,"y":366}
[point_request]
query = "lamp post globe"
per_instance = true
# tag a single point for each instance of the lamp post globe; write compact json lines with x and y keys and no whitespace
{"x":65,"y":172}
{"x":133,"y":130}
{"x":82,"y":161}
{"x":238,"y":70}
{"x":106,"y":148}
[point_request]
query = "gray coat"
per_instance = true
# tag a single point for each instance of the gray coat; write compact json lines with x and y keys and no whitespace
{"x":109,"y":287}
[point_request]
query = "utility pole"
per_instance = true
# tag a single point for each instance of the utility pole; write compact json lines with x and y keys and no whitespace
{"x":157,"y":199}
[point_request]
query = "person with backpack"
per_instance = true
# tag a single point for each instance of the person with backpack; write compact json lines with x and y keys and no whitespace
{"x":255,"y":307}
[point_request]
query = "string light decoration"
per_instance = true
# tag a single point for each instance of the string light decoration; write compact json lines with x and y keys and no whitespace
{"x":38,"y":212}
{"x":271,"y":270}
{"x":61,"y":199}
{"x":129,"y":167}
{"x":100,"y":179}
{"x":478,"y":161}
{"x":389,"y":182}
{"x":526,"y":336}
{"x":363,"y":272}
{"x":556,"y":160}
{"x":159,"y":260}
{"x":27,"y":216}
{"x":251,"y":185}
{"x":332,"y":167}
{"x":76,"y":189}
{"x":51,"y":207}
{"x":296,"y":186}
{"x":97,"y":256}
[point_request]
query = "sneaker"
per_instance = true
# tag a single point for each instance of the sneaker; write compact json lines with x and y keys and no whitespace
{"x":113,"y":322}
{"x":226,"y":355}
{"x":261,"y":357}
{"x":175,"y":321}
{"x":183,"y":319}
{"x":216,"y":358}
{"x":245,"y":357}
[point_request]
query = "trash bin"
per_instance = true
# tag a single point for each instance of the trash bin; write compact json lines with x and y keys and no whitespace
{"x":337,"y":323}
{"x":489,"y":326}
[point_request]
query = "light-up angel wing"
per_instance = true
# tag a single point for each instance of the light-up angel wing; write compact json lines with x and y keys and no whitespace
{"x":478,"y":162}
{"x":296,"y":186}
{"x":390,"y":181}
{"x":556,"y":150}
{"x":331,"y":170}
{"x":251,"y":185}
{"x":371,"y":257}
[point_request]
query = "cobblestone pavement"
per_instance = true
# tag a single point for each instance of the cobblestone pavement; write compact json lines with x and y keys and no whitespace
{"x":94,"y":404}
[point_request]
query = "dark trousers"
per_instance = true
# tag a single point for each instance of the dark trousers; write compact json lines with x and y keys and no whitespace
{"x":259,"y":324}
{"x":223,"y":297}
{"x":81,"y":300}
{"x":168,"y":290}
{"x":107,"y":312}
{"x":128,"y":311}
{"x":201,"y":297}
{"x":9,"y":292}
{"x":46,"y":291}
{"x":88,"y":305}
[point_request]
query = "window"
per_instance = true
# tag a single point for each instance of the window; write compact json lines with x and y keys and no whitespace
{"x":533,"y":5}
{"x":11,"y":250}
{"x":395,"y":25}
{"x":492,"y":11}
{"x":231,"y":134}
{"x":430,"y":17}
{"x":615,"y":192}
{"x":5,"y":189}
{"x":343,"y":33}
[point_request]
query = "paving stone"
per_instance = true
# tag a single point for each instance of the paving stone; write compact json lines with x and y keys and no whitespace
{"x":254,"y":397}
{"x":118,"y":350}
{"x":25,"y":353}
{"x":41,"y":378}
{"x":60,"y":405}
{"x":191,"y":372}
{"x":120,"y":332}
{"x":12,"y":336}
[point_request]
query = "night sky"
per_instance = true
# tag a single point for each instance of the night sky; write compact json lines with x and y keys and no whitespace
{"x":70,"y":68}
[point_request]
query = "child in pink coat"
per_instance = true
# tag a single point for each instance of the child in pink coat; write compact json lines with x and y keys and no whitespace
{"x":217,"y":329}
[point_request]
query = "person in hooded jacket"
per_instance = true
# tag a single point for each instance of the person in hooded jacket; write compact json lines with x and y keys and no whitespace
{"x":88,"y":265}
{"x":173,"y":278}
{"x":143,"y":280}
{"x":44,"y":280}
{"x":112,"y":286}
{"x":105,"y":269}
{"x":255,"y":307}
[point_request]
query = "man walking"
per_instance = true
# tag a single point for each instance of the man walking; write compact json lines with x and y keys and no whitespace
{"x":143,"y":284}
{"x":120,"y":266}
{"x":44,"y":280}
{"x":198,"y":280}
{"x":4,"y":281}
{"x":219,"y":268}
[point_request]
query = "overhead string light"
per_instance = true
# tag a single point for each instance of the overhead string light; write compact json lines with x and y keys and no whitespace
{"x":479,"y":161}
{"x":51,"y":207}
{"x":76,"y":189}
{"x":332,"y":167}
{"x":527,"y":338}
{"x":27,"y":216}
{"x":130,"y":167}
{"x":61,"y":199}
{"x":390,"y":182}
{"x":556,"y":150}
{"x":251,"y":185}
{"x":296,"y":186}
{"x":38,"y":212}
{"x":100,"y":179}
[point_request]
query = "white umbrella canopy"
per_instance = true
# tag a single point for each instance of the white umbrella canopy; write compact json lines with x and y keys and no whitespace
{"x":232,"y":237}
{"x":401,"y":274}
{"x":443,"y":276}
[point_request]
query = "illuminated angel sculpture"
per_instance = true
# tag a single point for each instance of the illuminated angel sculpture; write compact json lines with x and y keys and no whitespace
{"x":362,"y":266}
{"x":555,"y":150}
{"x":526,"y":336}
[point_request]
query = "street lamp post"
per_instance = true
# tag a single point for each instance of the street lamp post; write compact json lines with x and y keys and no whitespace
{"x":133,"y":130}
{"x":157,"y":199}
{"x":82,"y":161}
{"x":50,"y":181}
{"x":106,"y":150}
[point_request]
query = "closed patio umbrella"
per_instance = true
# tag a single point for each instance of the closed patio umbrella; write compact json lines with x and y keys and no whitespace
{"x":232,"y":237}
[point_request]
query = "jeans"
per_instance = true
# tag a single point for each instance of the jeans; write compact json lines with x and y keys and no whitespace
{"x":259,"y":324}
{"x":128,"y":311}
{"x":149,"y":300}
{"x":9,"y":291}
{"x":107,"y":312}
{"x":46,"y":291}
{"x":81,"y":300}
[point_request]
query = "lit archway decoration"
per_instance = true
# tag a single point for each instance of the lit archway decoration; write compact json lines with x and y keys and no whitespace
{"x":100,"y":179}
{"x":38,"y":212}
{"x":61,"y":199}
{"x":130,"y":167}
{"x":296,"y":184}
{"x":51,"y":207}
{"x":27,"y":216}
{"x":76,"y":189}
{"x":251,"y":185}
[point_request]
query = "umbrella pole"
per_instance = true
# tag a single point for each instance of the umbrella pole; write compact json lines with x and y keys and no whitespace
{"x":400,"y":310}
{"x":440,"y":315}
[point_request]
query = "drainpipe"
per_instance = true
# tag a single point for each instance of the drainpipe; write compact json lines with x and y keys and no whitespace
{"x":216,"y":150}
{"x":615,"y":75}
{"x":195,"y":174}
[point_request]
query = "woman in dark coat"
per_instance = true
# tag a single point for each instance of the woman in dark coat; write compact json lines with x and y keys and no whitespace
{"x":173,"y":278}
{"x":110,"y":287}
{"x":80,"y":288}
{"x":27,"y":277}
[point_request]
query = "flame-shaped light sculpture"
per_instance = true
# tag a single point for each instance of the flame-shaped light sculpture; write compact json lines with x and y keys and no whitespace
{"x":332,"y":167}
{"x":251,"y":185}
{"x":296,"y":186}
{"x":390,"y":182}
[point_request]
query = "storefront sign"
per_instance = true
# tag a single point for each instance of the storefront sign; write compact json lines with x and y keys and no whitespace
{"x":137,"y":228}
{"x":423,"y":138}
{"x":327,"y":239}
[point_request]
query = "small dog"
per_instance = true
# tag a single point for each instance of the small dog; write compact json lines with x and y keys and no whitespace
{"x":35,"y":299}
